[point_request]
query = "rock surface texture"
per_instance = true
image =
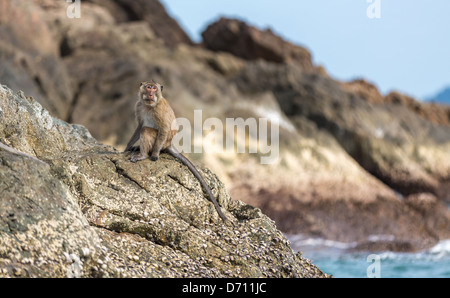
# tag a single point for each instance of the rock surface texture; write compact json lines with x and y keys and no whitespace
{"x":72,"y":207}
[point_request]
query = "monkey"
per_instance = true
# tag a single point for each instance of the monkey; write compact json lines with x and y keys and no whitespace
{"x":156,"y":130}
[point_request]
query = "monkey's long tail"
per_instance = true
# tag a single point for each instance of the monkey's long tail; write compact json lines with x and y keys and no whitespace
{"x":172,"y":151}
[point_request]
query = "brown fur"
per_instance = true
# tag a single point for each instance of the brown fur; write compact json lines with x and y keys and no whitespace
{"x":156,"y":124}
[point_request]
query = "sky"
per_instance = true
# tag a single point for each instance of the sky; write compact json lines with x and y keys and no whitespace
{"x":401,"y":45}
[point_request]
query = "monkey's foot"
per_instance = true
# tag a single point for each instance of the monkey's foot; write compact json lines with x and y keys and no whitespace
{"x":138,"y":157}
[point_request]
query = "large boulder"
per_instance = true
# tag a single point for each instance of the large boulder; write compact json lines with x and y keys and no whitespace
{"x":72,"y":207}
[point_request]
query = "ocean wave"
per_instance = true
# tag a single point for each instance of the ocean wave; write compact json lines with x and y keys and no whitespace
{"x":439,"y":252}
{"x":340,"y":260}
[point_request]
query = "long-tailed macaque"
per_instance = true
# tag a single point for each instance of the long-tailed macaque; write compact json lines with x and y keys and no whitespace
{"x":156,"y":130}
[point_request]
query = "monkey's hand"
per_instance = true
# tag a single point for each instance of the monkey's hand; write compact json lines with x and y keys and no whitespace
{"x":154,"y":158}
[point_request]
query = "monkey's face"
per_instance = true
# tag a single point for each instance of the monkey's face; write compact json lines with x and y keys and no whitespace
{"x":150,"y":93}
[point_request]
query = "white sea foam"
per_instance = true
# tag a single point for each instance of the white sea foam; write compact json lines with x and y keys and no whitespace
{"x":439,"y":252}
{"x":442,"y":249}
{"x":299,"y":241}
{"x":380,"y":237}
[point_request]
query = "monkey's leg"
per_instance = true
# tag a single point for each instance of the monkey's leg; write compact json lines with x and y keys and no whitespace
{"x":148,"y":136}
{"x":160,"y":141}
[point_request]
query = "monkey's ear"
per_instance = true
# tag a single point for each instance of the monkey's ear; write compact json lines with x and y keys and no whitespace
{"x":162,"y":87}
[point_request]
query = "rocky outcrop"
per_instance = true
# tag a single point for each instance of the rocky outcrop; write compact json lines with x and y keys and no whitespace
{"x":436,"y":113}
{"x":248,"y":42}
{"x":153,"y":13}
{"x":30,"y":56}
{"x":409,"y":151}
{"x":364,"y":90}
{"x":390,"y":141}
{"x":72,"y":207}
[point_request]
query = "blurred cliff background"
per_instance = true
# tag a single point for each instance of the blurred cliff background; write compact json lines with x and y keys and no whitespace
{"x":355,"y":165}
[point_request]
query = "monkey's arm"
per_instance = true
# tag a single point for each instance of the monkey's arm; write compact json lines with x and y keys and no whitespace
{"x":134,"y":138}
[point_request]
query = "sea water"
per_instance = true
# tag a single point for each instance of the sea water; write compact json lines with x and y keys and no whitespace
{"x":337,"y":259}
